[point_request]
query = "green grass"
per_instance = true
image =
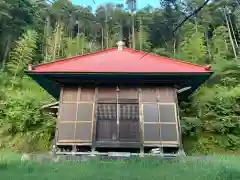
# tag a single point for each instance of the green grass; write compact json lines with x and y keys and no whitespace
{"x":221,"y":168}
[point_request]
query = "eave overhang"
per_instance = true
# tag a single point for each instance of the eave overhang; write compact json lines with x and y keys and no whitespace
{"x":53,"y":81}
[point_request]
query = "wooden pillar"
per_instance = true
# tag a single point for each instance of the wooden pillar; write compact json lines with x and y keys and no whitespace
{"x":141,"y":123}
{"x":94,"y":127}
{"x":181,"y":149}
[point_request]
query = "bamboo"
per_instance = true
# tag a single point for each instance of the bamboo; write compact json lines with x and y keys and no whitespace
{"x":106,"y":27}
{"x":59,"y":40}
{"x":133,"y":32}
{"x":55,"y":39}
{"x":78,"y":35}
{"x":83,"y":45}
{"x":231,"y":27}
{"x":140,"y":37}
{"x":130,"y":39}
{"x":229,"y":32}
{"x":174,"y":48}
{"x":47,"y":34}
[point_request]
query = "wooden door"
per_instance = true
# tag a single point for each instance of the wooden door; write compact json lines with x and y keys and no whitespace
{"x":106,"y":122}
{"x":129,"y":130}
{"x":106,"y":115}
{"x":117,"y":115}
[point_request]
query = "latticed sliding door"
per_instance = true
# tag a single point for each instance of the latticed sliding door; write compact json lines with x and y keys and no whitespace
{"x":76,"y":115}
{"x":128,"y":105}
{"x":117,"y":115}
{"x":106,"y":115}
{"x":106,"y":122}
{"x":159,"y":116}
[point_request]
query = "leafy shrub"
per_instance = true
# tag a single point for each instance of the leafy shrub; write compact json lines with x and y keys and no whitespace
{"x":22,"y":120}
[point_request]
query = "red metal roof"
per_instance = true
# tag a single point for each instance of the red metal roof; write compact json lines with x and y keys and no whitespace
{"x":119,"y":61}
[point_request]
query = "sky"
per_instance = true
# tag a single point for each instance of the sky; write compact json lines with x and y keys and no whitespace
{"x":140,"y":3}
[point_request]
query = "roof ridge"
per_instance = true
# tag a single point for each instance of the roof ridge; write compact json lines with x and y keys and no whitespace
{"x":70,"y":58}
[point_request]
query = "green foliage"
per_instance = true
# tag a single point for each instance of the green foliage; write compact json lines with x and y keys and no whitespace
{"x":218,"y":112}
{"x":162,"y":52}
{"x":191,"y":126}
{"x":220,"y":44}
{"x":23,"y":126}
{"x":142,"y":40}
{"x":193,"y":47}
{"x":77,"y":46}
{"x":23,"y":53}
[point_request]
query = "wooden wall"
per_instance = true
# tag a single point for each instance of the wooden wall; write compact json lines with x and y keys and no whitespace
{"x":159,"y":117}
{"x":158,"y":122}
{"x":76,"y":114}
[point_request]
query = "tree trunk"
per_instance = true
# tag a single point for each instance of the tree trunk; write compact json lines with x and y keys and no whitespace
{"x":174,"y":47}
{"x":207,"y":43}
{"x":6,"y":52}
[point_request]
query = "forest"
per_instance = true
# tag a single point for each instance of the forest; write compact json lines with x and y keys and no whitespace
{"x":39,"y":31}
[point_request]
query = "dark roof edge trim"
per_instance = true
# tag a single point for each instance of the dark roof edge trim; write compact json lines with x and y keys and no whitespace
{"x":114,"y":73}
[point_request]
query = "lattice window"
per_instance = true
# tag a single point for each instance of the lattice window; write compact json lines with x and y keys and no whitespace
{"x":129,"y":123}
{"x":106,"y":111}
{"x":106,"y":122}
{"x":129,"y":112}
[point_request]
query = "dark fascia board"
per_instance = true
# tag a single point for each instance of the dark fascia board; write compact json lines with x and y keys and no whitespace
{"x":119,"y":74}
